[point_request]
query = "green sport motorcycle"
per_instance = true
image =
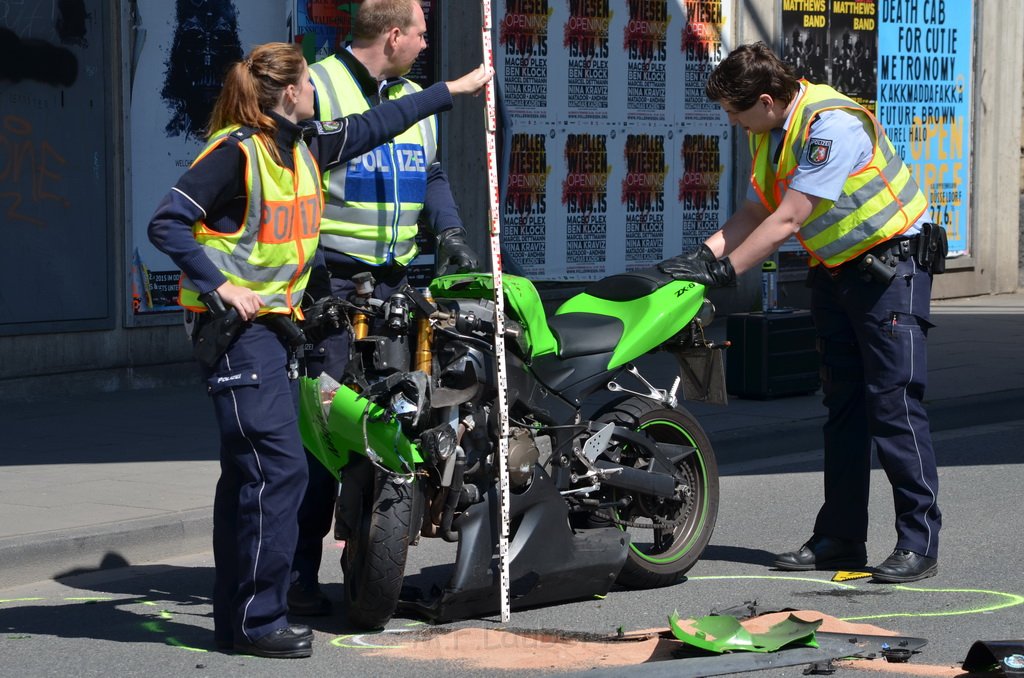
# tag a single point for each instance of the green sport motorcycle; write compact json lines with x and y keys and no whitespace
{"x":610,"y":480}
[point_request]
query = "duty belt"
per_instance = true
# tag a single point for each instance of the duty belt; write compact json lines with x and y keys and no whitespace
{"x":890,"y":250}
{"x":928,"y":249}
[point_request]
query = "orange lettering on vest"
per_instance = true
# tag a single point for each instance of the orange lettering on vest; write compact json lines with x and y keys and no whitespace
{"x":309,"y":210}
{"x":278,"y":222}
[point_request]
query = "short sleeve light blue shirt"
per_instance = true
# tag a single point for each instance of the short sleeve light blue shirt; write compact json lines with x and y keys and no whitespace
{"x":837,"y":146}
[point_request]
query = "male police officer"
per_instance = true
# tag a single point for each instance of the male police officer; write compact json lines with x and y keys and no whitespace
{"x":824,"y":170}
{"x":370,"y":222}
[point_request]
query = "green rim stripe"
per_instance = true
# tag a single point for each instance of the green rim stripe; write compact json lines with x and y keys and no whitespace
{"x":703,"y":513}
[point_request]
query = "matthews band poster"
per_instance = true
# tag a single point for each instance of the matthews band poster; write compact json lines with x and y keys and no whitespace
{"x":909,"y":62}
{"x":612,"y":158}
{"x":180,"y":51}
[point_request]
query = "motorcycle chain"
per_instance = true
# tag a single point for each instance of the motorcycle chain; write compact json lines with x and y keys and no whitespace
{"x":655,"y":524}
{"x":659,"y":525}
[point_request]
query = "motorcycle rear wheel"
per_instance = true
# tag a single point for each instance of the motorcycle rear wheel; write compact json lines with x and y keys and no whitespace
{"x":661,"y":557}
{"x":375,"y":554}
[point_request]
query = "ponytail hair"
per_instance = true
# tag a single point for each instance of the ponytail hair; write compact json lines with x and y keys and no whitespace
{"x":253,"y":86}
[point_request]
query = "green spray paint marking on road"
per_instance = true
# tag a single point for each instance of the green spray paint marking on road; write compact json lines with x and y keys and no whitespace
{"x":354,"y":641}
{"x":177,"y":643}
{"x":1010,"y":599}
{"x":152,"y":626}
{"x":357,"y":644}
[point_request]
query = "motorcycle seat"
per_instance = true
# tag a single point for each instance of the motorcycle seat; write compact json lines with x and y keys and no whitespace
{"x":585,"y":333}
{"x":629,"y":286}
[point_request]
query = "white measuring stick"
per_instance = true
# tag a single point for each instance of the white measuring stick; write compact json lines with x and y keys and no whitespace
{"x":499,"y":320}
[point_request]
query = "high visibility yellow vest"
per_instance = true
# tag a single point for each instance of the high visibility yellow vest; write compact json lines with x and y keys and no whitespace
{"x":373,"y":202}
{"x":879,"y":201}
{"x":272,"y":253}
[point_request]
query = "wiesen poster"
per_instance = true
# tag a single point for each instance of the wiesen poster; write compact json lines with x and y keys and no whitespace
{"x":525,"y":196}
{"x":522,"y":58}
{"x":586,"y":34}
{"x":601,"y":117}
{"x":702,"y":47}
{"x":645,"y":42}
{"x":646,"y":157}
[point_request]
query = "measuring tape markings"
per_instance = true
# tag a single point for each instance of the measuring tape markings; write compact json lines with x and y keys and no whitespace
{"x":499,"y":319}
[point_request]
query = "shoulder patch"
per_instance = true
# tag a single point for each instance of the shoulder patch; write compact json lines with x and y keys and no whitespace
{"x":320,"y":127}
{"x":242,"y":133}
{"x":818,"y":151}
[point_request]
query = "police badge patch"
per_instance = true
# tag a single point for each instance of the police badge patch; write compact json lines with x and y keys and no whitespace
{"x":329,"y":126}
{"x":817,"y":151}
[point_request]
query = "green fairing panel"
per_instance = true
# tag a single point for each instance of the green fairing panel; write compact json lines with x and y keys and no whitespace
{"x":333,"y":436}
{"x":722,"y":633}
{"x":648,"y":321}
{"x":521,"y":296}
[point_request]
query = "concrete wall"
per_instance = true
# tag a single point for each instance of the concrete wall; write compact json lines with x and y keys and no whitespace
{"x":56,"y":363}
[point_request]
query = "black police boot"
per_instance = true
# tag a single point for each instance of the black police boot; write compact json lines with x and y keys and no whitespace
{"x":288,"y":642}
{"x":824,"y":553}
{"x":308,"y":601}
{"x":905,"y":566}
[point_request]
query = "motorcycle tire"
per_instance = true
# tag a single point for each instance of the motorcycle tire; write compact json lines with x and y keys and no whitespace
{"x":375,"y":553}
{"x":669,"y":554}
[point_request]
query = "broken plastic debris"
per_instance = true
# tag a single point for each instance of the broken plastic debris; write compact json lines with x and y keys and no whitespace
{"x":723,"y":634}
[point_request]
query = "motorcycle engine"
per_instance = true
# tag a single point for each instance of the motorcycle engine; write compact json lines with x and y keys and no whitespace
{"x":522,"y":455}
{"x":525,"y":449}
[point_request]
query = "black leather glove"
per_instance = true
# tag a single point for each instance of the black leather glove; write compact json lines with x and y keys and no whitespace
{"x":453,"y":254}
{"x":702,"y":253}
{"x":714,"y":273}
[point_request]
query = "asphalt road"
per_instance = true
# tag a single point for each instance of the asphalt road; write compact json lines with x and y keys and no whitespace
{"x":155,"y":620}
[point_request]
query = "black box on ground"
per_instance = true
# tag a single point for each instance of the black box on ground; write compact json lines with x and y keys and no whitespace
{"x":771,"y":354}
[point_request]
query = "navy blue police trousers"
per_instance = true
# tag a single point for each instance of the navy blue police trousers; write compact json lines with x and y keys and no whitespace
{"x":262,"y":480}
{"x":873,"y":343}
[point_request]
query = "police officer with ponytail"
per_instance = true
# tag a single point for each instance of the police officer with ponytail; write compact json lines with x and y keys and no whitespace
{"x":242,"y":224}
{"x":825,"y":172}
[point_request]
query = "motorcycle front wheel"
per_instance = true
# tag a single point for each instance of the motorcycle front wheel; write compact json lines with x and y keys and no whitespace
{"x":667,"y":536}
{"x":375,"y":552}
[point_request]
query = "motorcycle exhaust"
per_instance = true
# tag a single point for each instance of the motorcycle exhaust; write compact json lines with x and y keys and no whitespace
{"x":637,"y":480}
